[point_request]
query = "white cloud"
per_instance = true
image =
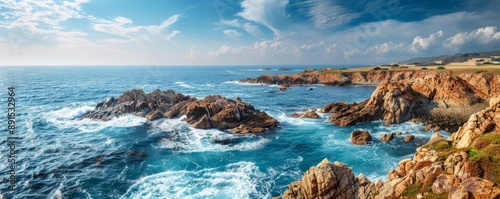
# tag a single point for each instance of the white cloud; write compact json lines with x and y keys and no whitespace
{"x":232,"y":33}
{"x":422,"y":43}
{"x":247,"y":26}
{"x":223,"y":50}
{"x":481,"y":36}
{"x":270,"y":13}
{"x":122,"y":26}
{"x":326,"y":14}
{"x":171,"y":35}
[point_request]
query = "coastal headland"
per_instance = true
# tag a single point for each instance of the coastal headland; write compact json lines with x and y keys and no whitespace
{"x":461,"y":100}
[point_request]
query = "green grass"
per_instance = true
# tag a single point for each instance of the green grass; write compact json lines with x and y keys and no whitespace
{"x":443,"y":144}
{"x":413,"y":190}
{"x":437,"y":196}
{"x":487,"y":158}
{"x":440,"y":68}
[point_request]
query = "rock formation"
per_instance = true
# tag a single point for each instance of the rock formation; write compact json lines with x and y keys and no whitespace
{"x":213,"y":111}
{"x":308,"y":114}
{"x":330,"y":180}
{"x":400,"y":101}
{"x":359,"y":137}
{"x":392,"y":101}
{"x":466,"y":165}
{"x":387,"y":137}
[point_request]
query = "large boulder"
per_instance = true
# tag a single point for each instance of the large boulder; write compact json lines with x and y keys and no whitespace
{"x":359,"y":137}
{"x":330,"y":180}
{"x":474,"y":188}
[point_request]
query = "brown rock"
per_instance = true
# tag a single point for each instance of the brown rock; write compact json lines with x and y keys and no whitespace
{"x":444,"y":182}
{"x":153,"y":115}
{"x":213,"y":111}
{"x":359,"y":137}
{"x":330,"y":180}
{"x":309,"y":114}
{"x":409,"y":138}
{"x":387,"y":137}
{"x":398,"y":133}
{"x":473,"y":187}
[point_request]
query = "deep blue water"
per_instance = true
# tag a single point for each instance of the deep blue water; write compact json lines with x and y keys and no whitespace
{"x":129,"y":157}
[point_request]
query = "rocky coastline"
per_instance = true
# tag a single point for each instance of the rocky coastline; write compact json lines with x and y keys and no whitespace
{"x":466,"y":165}
{"x":213,"y":111}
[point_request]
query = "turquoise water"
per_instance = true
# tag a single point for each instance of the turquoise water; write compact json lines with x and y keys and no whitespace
{"x":129,"y":157}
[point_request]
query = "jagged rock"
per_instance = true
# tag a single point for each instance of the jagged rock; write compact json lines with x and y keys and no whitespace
{"x":330,"y":180}
{"x":485,"y":121}
{"x":409,"y":138}
{"x":359,"y":137}
{"x":473,"y":187}
{"x":394,"y":102}
{"x":213,"y":111}
{"x":387,"y":137}
{"x":444,"y":182}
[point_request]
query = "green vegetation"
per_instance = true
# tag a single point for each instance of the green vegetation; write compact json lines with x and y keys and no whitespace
{"x":443,"y":144}
{"x":424,"y":68}
{"x":377,"y":68}
{"x":429,"y":61}
{"x":437,"y":196}
{"x":484,"y":157}
{"x":440,"y":68}
{"x":412,"y":190}
{"x":478,"y":71}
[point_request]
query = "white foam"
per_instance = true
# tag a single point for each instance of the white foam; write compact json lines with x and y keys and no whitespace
{"x":66,"y":118}
{"x":236,"y":180}
{"x":183,"y":84}
{"x":283,"y":118}
{"x":72,"y":112}
{"x":184,"y":139}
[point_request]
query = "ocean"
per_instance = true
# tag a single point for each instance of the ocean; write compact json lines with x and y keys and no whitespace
{"x":60,"y":156}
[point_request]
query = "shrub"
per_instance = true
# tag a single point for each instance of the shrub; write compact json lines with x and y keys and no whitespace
{"x":424,"y":68}
{"x":478,"y":71}
{"x":395,"y":65}
{"x":385,"y":69}
{"x":440,"y":68}
{"x":377,"y":68}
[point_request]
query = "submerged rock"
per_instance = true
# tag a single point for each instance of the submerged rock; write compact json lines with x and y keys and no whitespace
{"x":213,"y":111}
{"x":309,"y":114}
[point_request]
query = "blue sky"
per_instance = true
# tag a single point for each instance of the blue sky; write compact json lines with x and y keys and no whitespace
{"x":245,"y":32}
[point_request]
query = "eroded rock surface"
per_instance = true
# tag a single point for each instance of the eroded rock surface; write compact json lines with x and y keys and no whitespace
{"x":213,"y":111}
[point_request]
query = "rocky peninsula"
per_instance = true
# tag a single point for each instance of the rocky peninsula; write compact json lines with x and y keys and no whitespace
{"x":213,"y":111}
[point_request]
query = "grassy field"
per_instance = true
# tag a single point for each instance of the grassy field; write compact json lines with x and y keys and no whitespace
{"x":485,"y":68}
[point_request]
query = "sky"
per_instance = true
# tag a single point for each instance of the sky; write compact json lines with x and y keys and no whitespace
{"x":244,"y":32}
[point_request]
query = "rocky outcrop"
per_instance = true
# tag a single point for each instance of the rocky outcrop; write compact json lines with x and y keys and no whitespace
{"x":359,"y":137}
{"x":475,"y":188}
{"x":392,"y":101}
{"x":387,"y":137}
{"x":485,"y":121}
{"x":330,"y":180}
{"x":213,"y":111}
{"x":400,"y":101}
